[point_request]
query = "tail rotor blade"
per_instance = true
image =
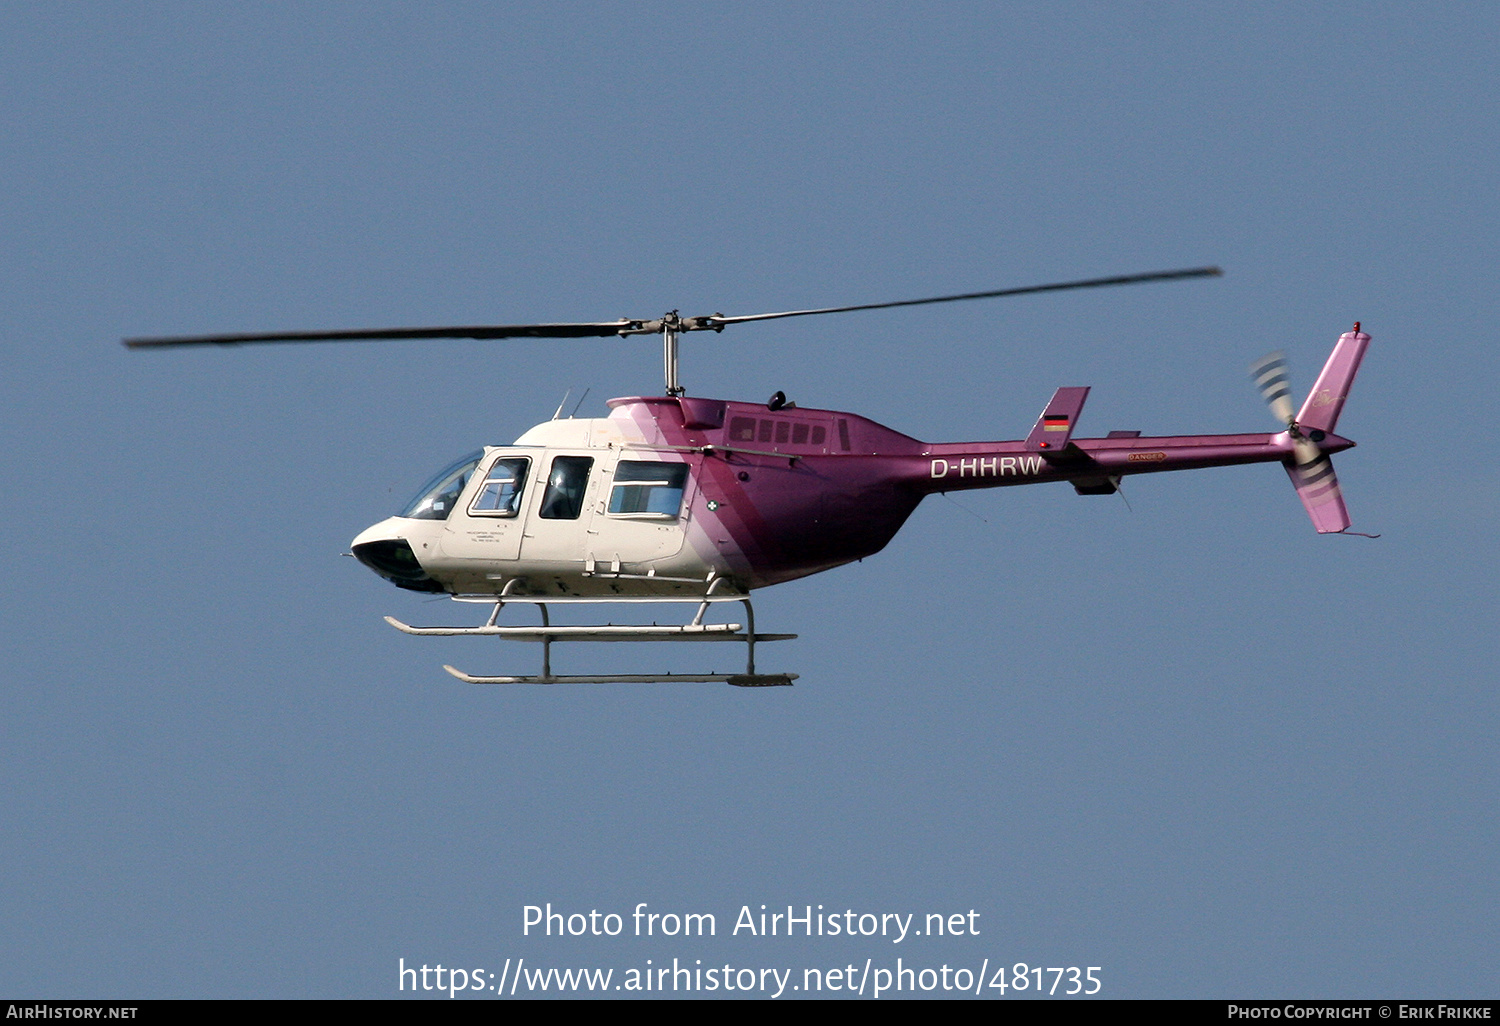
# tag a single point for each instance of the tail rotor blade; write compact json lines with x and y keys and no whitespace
{"x":1270,"y":376}
{"x":1307,"y":452}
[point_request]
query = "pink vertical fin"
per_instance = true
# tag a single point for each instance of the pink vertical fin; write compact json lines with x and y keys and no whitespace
{"x":1318,"y":488}
{"x":1316,"y":483}
{"x":1326,"y":400}
{"x":1055,"y":426}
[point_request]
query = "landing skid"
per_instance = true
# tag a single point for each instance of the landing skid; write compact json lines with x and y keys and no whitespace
{"x":548,"y":634}
{"x":739,"y":680}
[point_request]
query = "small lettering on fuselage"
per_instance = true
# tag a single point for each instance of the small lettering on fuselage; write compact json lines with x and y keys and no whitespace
{"x":1146,"y":457}
{"x":987,"y":466}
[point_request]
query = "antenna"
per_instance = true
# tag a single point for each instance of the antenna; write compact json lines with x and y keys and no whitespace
{"x":580,"y":403}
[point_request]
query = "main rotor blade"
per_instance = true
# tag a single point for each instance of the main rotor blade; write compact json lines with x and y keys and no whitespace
{"x":717,"y":321}
{"x":605,"y":329}
{"x":589,"y":329}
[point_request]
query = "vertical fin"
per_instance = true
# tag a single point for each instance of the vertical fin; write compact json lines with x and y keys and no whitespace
{"x":1318,"y":488}
{"x":1055,"y":426}
{"x":1326,"y":400}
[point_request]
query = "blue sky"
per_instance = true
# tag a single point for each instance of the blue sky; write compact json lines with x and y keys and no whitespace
{"x":1187,"y":740}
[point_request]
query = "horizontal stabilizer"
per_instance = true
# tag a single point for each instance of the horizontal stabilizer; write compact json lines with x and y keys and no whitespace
{"x":1055,"y":426}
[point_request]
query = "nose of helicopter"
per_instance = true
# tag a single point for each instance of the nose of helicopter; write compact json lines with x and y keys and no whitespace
{"x":384,"y":548}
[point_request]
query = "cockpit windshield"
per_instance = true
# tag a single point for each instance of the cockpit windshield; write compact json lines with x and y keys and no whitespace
{"x":438,"y":496}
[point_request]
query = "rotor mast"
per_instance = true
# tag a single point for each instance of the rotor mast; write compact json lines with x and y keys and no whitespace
{"x":669,"y":358}
{"x":671,"y":325}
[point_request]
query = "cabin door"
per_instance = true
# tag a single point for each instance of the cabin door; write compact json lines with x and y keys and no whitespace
{"x":642,"y":508}
{"x":561,"y":506}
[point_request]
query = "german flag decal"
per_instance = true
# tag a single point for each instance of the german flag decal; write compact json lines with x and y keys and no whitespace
{"x":1054,"y":423}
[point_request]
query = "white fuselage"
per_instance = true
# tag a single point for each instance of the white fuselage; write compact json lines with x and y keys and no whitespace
{"x":623,"y":529}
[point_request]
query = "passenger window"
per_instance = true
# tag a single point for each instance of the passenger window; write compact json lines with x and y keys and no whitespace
{"x":563,"y":499}
{"x":500,"y":495}
{"x":650,"y":489}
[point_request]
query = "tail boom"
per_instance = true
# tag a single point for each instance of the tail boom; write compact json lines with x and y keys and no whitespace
{"x":965,"y":465}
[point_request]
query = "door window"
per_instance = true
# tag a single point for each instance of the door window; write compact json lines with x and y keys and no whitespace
{"x":648,"y":489}
{"x":500,"y":495}
{"x":563,"y":499}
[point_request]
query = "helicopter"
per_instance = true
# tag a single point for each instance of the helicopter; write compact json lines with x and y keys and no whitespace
{"x":681,"y":499}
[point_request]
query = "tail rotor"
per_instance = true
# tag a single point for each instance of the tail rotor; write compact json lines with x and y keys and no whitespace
{"x":1271,"y":377}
